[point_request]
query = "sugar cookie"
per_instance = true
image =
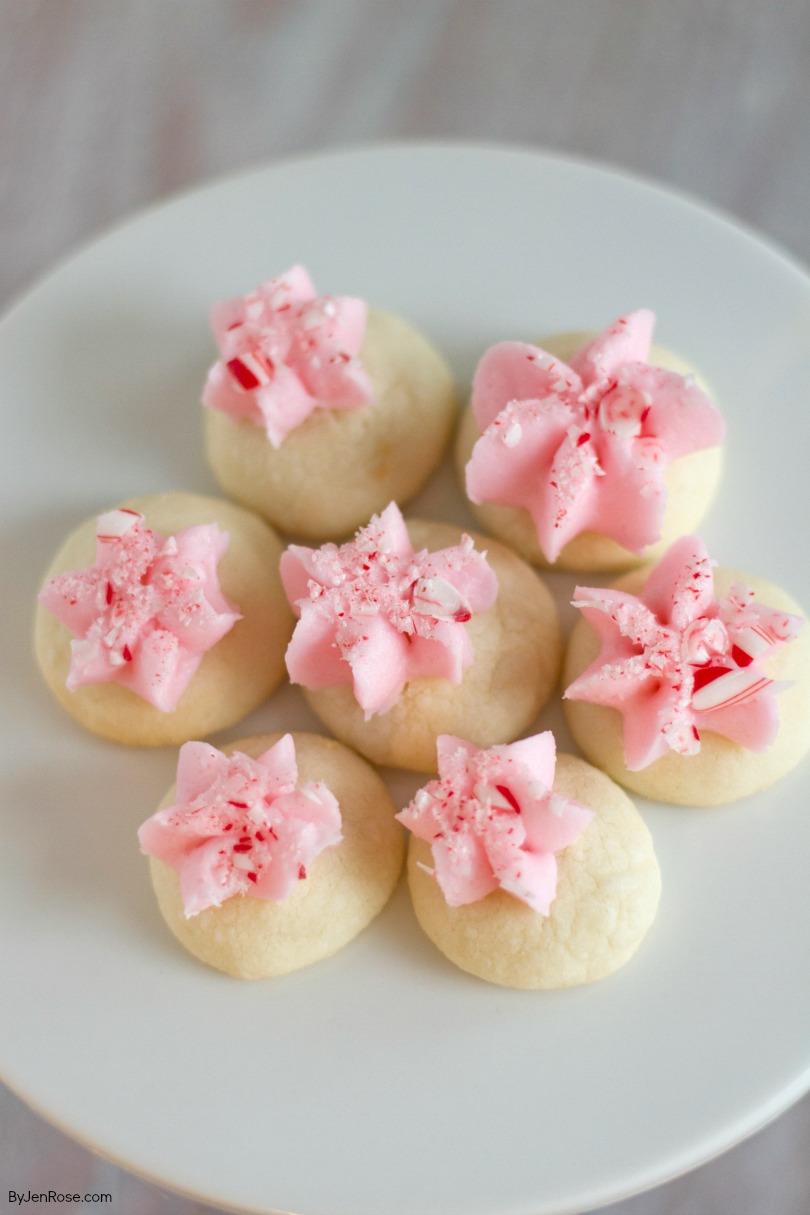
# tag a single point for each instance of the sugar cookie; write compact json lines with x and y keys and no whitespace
{"x":408,"y":632}
{"x":525,"y":886}
{"x":318,"y":414}
{"x":592,"y":453}
{"x":674,"y":680}
{"x":274,"y":856}
{"x":178,"y":629}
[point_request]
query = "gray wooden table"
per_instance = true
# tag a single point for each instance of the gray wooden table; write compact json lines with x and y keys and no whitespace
{"x":108,"y":105}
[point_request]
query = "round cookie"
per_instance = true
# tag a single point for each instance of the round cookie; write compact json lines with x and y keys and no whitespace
{"x":691,"y":485}
{"x":344,"y":889}
{"x":608,"y":889}
{"x":517,"y":648}
{"x":339,"y":467}
{"x":241,"y":670}
{"x":722,"y":771}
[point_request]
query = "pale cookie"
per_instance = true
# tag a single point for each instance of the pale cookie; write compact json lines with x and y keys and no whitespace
{"x":234,"y":677}
{"x":721,"y":771}
{"x":517,"y":649}
{"x":336,"y":469}
{"x":344,"y":889}
{"x":608,"y":889}
{"x":691,"y":483}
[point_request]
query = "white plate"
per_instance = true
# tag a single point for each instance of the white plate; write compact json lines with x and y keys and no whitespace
{"x":384,"y":1082}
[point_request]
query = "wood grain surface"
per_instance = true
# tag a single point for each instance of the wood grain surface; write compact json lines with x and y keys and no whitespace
{"x":111,"y":105}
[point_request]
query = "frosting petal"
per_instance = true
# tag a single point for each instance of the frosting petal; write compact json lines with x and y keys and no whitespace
{"x":493,"y":821}
{"x":517,"y":371}
{"x":676,"y":660}
{"x":148,"y":609}
{"x":376,"y":614}
{"x":584,"y":447}
{"x":286,"y":352}
{"x":241,"y":825}
{"x":626,"y":340}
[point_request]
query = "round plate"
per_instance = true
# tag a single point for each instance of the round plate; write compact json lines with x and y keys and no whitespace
{"x":383,"y":1081}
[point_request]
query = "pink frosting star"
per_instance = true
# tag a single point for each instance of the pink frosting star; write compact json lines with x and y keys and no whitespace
{"x":492,"y":820}
{"x":676,"y":660}
{"x":375,"y":614}
{"x":583,"y":447}
{"x":285,"y":353}
{"x":147,"y":611}
{"x":240,"y":825}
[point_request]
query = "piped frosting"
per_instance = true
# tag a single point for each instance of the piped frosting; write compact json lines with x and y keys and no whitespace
{"x":241,"y":826}
{"x":584,"y":446}
{"x":148,"y":609}
{"x":493,"y":821}
{"x":375,"y":614}
{"x":677,"y":660}
{"x":286,"y":352}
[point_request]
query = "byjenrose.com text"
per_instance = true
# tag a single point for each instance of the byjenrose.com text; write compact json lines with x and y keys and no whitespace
{"x":54,"y":1196}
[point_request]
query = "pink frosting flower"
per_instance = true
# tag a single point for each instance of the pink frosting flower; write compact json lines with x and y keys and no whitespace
{"x":147,"y":611}
{"x":375,"y":614}
{"x":286,"y":352}
{"x":676,"y":660}
{"x":492,"y":820}
{"x":240,"y":825}
{"x":584,"y":447}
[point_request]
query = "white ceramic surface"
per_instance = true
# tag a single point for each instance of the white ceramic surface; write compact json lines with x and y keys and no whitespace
{"x":384,"y":1082}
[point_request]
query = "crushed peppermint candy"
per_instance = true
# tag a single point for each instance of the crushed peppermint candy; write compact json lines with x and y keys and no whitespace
{"x":285,"y":352}
{"x":148,"y":609}
{"x":676,"y":660}
{"x":493,"y":821}
{"x":241,"y":826}
{"x":376,"y":614}
{"x":584,"y":447}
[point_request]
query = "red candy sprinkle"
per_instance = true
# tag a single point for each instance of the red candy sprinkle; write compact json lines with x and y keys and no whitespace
{"x":242,"y":374}
{"x":510,"y":797}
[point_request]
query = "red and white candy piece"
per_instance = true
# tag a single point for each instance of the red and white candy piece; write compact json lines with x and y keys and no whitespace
{"x":623,"y":410}
{"x":114,"y":524}
{"x":702,"y":640}
{"x":439,"y":598}
{"x":251,"y":370}
{"x":498,"y":796}
{"x":730,"y":688}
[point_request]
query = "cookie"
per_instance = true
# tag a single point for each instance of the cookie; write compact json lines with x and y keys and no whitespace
{"x":593,"y":453}
{"x":689,"y":684}
{"x":319,"y":413}
{"x":178,"y":629}
{"x":411,"y":631}
{"x":273,"y":857}
{"x":526,"y":887}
